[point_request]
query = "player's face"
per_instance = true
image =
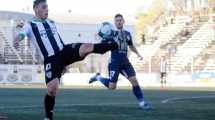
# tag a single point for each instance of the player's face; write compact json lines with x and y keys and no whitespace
{"x":41,"y":10}
{"x":119,"y":21}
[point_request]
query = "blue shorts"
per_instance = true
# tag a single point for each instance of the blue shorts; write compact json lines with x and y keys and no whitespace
{"x":126,"y":70}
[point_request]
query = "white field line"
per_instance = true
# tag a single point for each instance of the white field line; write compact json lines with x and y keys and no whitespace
{"x":184,"y":98}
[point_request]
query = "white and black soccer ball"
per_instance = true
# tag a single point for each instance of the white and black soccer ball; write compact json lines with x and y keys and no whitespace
{"x":106,"y":31}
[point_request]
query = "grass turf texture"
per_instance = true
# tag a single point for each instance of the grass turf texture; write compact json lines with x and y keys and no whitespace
{"x":96,"y":104}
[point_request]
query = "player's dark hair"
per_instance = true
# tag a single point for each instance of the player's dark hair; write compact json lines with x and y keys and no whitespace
{"x":37,"y":2}
{"x":118,"y":15}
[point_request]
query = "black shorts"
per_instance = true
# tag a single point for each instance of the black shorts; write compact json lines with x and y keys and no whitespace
{"x":163,"y":74}
{"x":54,"y":66}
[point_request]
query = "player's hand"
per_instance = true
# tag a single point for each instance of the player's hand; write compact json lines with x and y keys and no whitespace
{"x":140,"y":57}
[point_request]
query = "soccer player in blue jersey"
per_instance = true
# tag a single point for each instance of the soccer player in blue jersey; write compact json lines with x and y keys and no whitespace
{"x":43,"y":33}
{"x":119,"y":63}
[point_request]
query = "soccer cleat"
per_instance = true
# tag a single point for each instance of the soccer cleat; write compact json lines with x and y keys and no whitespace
{"x":144,"y":106}
{"x":94,"y":78}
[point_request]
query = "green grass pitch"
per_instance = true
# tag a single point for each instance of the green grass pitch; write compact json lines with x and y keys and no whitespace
{"x":101,"y":104}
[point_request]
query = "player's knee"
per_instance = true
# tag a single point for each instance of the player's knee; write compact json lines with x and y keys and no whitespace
{"x":133,"y":81}
{"x":85,"y":49}
{"x":52,"y":91}
{"x":52,"y":87}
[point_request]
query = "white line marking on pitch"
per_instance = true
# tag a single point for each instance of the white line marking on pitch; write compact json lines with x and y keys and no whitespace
{"x":184,"y":98}
{"x":65,"y":105}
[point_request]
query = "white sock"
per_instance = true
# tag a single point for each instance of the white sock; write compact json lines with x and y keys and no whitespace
{"x":98,"y":77}
{"x":142,"y":103}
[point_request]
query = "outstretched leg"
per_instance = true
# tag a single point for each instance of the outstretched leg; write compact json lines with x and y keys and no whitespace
{"x":99,"y":48}
{"x":107,"y":82}
{"x":110,"y":82}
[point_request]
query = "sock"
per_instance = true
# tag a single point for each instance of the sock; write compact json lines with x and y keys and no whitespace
{"x":104,"y":81}
{"x":101,"y":48}
{"x":49,"y":106}
{"x":138,"y":93}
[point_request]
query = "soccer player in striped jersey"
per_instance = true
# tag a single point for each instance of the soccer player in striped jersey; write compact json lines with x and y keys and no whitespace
{"x":56,"y":55}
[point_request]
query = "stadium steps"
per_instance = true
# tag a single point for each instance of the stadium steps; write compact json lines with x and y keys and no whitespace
{"x":145,"y":65}
{"x":175,"y":42}
{"x":192,"y":47}
{"x":20,"y":55}
{"x":184,"y":35}
{"x":210,"y":65}
{"x":165,"y":34}
{"x":203,"y":61}
{"x":180,"y":38}
{"x":26,"y":53}
{"x":9,"y":49}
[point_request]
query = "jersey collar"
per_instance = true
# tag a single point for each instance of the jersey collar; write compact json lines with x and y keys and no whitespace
{"x":38,"y":20}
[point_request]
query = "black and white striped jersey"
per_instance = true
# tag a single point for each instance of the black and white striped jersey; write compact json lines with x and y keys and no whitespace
{"x":44,"y":35}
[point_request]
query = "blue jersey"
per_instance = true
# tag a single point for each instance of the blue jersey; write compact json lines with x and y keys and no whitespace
{"x":120,"y":56}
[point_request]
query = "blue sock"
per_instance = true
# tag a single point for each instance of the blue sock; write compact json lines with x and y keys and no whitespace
{"x":104,"y":81}
{"x":138,"y":93}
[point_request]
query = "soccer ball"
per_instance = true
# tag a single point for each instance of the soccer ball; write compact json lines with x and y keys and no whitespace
{"x":106,"y":31}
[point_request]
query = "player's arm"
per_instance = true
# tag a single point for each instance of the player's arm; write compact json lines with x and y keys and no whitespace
{"x":21,"y":33}
{"x":18,"y":37}
{"x":132,"y":47}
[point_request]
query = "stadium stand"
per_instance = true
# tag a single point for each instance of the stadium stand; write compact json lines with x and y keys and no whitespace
{"x":193,"y":47}
{"x":10,"y":54}
{"x":164,"y":35}
{"x":182,"y":35}
{"x":175,"y":40}
{"x":190,"y":40}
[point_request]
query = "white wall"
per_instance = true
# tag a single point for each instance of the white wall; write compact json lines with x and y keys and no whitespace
{"x":69,"y":32}
{"x":145,"y":80}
